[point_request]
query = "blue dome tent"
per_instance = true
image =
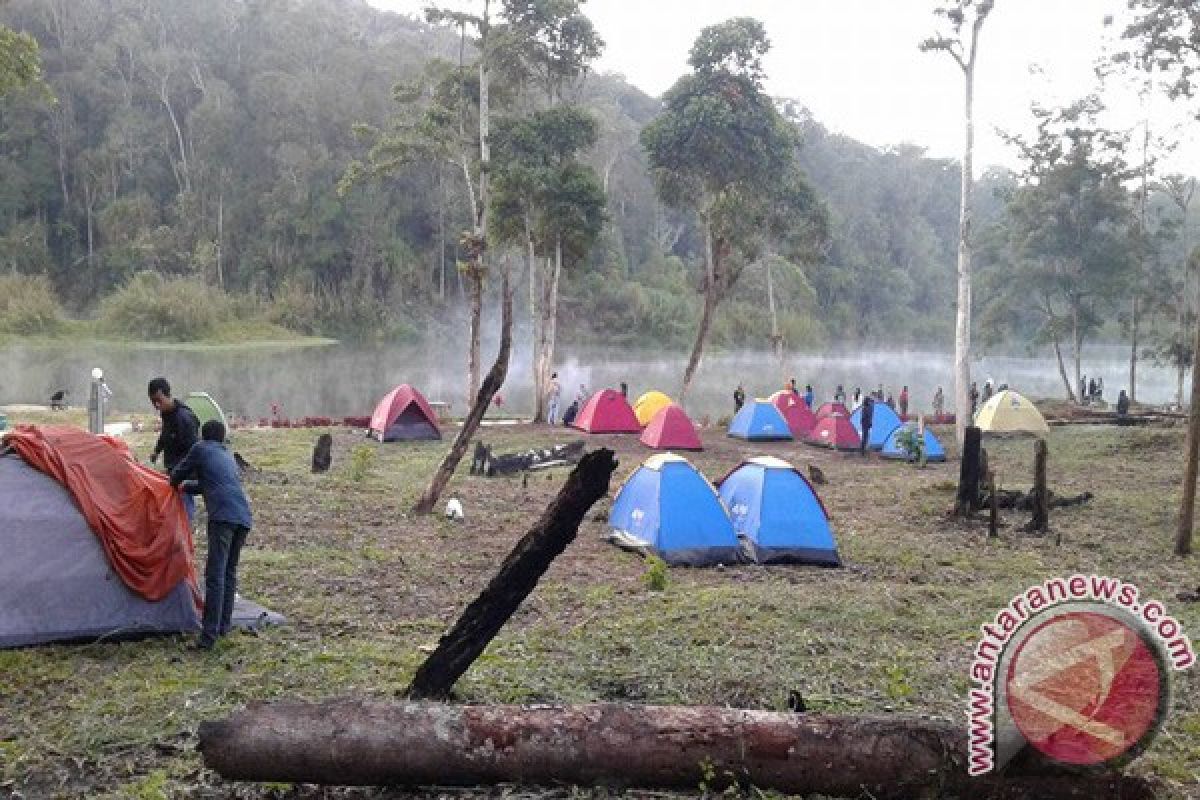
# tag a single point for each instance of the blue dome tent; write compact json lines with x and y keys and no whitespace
{"x":884,"y":421}
{"x":670,"y":509}
{"x":933,"y":448}
{"x":777,"y":510}
{"x":759,"y":421}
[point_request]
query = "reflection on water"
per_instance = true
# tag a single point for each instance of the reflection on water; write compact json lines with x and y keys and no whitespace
{"x":341,"y":380}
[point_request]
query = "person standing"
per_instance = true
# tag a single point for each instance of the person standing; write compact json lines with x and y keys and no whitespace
{"x":739,"y":398}
{"x":553,"y":395}
{"x":857,"y":397}
{"x":839,"y":395}
{"x":939,"y":404}
{"x":808,"y":395}
{"x":180,"y":430}
{"x":209,"y":469}
{"x":974,"y":397}
{"x":904,"y":402}
{"x":624,"y":390}
{"x":868,"y":416}
{"x":890,"y":403}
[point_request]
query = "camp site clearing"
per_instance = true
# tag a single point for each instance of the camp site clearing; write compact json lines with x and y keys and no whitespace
{"x":367,"y":588}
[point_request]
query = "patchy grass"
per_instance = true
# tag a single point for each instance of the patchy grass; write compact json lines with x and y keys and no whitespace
{"x":366,"y":584}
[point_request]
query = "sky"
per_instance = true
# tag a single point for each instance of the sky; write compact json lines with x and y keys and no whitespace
{"x":856,"y":65}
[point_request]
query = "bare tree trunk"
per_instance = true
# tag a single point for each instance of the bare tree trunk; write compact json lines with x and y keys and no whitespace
{"x":682,"y":747}
{"x":550,"y":316}
{"x":1133,"y":346}
{"x":491,"y":385}
{"x":1062,"y":368}
{"x":1077,"y":343}
{"x":536,"y":333}
{"x":776,"y":337}
{"x":185,"y":184}
{"x":1187,"y":506}
{"x":711,"y":298}
{"x":441,"y":235}
{"x":969,"y":473}
{"x":962,"y":319}
{"x":475,"y":290}
{"x":220,"y":238}
{"x":515,"y":580}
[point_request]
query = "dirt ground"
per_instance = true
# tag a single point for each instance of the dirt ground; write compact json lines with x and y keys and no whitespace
{"x":366,"y":585}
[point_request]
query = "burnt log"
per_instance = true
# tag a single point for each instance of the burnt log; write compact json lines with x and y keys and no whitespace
{"x":515,"y":579}
{"x":968,"y":499}
{"x":322,"y":456}
{"x":359,"y":743}
{"x":1040,"y":496}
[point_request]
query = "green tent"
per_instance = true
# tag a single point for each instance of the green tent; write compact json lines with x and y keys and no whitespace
{"x":206,"y":408}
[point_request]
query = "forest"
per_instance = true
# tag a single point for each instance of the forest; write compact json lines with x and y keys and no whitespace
{"x":190,"y":164}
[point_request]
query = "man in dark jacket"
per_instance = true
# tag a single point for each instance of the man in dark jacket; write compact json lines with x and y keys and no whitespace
{"x":210,"y":470}
{"x":180,"y":430}
{"x":868,"y":416}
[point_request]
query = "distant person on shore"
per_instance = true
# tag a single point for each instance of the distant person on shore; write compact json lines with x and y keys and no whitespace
{"x":553,"y":396}
{"x":571,"y":413}
{"x":739,"y":398}
{"x":1082,"y":389}
{"x":1122,"y":404}
{"x":988,"y":391}
{"x":808,"y":395}
{"x":583,"y":395}
{"x":868,"y":416}
{"x":973,"y":396}
{"x":180,"y":430}
{"x":939,"y":403}
{"x":904,"y":402}
{"x":791,"y":387}
{"x":889,"y":402}
{"x":877,"y":395}
{"x":839,"y":395}
{"x":624,"y":390}
{"x":857,"y":397}
{"x":1100,"y":388}
{"x":210,"y":470}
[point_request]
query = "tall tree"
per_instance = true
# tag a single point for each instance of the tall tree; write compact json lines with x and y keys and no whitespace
{"x":965,"y":19}
{"x":20,"y":67}
{"x":721,"y":149}
{"x":1165,"y":36}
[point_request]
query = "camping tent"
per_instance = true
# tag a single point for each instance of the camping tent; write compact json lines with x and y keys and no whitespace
{"x":758,"y":421}
{"x":799,"y":416}
{"x":607,"y":412}
{"x":883,"y":421}
{"x":671,"y":430}
{"x":206,"y":408}
{"x":828,"y":409}
{"x":403,"y":415}
{"x":648,"y":405}
{"x":95,"y":544}
{"x":834,"y":431}
{"x":668,"y":508}
{"x":1009,"y":412}
{"x":775,"y":507}
{"x":893,"y":449}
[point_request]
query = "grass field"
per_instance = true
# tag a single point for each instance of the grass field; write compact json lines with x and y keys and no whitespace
{"x":366,"y":585}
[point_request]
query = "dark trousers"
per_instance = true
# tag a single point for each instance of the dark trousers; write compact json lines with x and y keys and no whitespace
{"x":866,"y":435}
{"x":225,"y":542}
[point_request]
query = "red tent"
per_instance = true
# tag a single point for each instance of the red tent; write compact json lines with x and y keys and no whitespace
{"x":607,"y":412}
{"x":403,"y":414}
{"x":834,"y":431}
{"x":799,"y":416}
{"x":670,"y":429}
{"x":828,"y":409}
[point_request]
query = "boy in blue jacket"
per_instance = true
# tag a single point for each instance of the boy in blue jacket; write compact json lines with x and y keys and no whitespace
{"x":209,"y":470}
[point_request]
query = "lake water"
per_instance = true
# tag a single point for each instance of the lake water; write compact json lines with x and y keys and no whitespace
{"x":342,"y":380}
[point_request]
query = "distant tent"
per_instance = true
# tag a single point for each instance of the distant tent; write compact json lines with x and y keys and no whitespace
{"x":670,"y":509}
{"x":671,"y":429}
{"x":759,"y":421}
{"x":828,"y":409}
{"x":777,"y":510}
{"x":834,"y":431}
{"x":795,"y":411}
{"x":403,"y":415}
{"x":1009,"y":412}
{"x":648,"y":405}
{"x":933,"y":448}
{"x":883,"y":421}
{"x":607,"y":412}
{"x":206,"y":408}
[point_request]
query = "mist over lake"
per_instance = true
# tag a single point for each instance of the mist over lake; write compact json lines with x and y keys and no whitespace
{"x":343,"y":379}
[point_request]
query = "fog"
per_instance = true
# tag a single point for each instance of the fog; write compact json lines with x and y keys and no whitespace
{"x":343,"y":380}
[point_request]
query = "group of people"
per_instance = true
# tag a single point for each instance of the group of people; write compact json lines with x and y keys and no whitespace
{"x":197,"y":461}
{"x":878,"y":395}
{"x":554,"y":401}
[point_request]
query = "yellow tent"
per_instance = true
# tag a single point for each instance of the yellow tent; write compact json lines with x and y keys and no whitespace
{"x":1007,"y":412}
{"x":648,"y":405}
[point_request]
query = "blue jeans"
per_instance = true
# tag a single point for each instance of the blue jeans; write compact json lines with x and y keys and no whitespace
{"x":225,"y":542}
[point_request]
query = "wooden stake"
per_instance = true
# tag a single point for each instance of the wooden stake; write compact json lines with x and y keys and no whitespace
{"x":994,"y":516}
{"x":1041,"y":497}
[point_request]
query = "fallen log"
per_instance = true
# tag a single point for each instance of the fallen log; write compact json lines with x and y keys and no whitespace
{"x":515,"y":579}
{"x":1016,"y":500}
{"x":360,"y":743}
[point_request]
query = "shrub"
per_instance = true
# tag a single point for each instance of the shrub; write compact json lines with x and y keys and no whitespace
{"x":362,"y":459}
{"x":295,"y":308}
{"x":656,"y":576}
{"x":28,"y":305}
{"x":152,"y":307}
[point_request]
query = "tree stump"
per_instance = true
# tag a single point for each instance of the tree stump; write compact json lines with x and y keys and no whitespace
{"x":1040,"y":523}
{"x":322,"y":456}
{"x":969,"y":474}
